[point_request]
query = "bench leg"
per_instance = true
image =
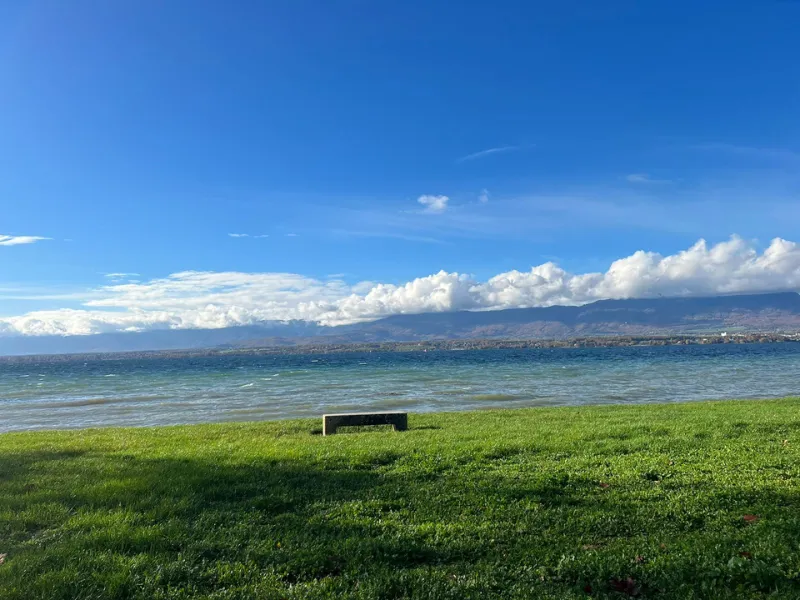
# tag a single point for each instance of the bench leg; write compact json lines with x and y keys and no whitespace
{"x":401,"y":424}
{"x":329,"y":426}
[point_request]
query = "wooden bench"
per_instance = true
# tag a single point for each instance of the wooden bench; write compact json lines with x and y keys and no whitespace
{"x":330,"y":423}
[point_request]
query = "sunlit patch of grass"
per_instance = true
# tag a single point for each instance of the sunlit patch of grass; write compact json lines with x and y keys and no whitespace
{"x":696,"y":500}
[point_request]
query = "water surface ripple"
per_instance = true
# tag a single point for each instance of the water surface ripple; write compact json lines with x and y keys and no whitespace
{"x":164,"y":391}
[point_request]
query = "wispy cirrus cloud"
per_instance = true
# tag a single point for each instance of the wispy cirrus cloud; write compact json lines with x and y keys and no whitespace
{"x":753,"y":152}
{"x":645,"y":178}
{"x":748,"y":202}
{"x":46,"y":293}
{"x":489,"y":152}
{"x":248,"y":235}
{"x":120,"y":277}
{"x":388,"y":234}
{"x":16,"y":240}
{"x":518,"y":217}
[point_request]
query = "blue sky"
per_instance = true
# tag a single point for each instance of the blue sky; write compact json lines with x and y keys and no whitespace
{"x":138,"y":135}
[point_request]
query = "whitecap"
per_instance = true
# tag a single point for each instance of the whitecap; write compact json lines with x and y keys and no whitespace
{"x":246,"y":385}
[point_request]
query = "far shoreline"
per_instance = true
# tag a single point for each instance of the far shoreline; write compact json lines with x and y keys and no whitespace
{"x":311,"y":348}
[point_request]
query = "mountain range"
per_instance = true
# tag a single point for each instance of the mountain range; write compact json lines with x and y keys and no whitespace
{"x":778,"y":312}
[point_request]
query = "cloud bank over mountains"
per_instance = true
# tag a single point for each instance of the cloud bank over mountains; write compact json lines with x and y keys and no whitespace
{"x":193,"y":299}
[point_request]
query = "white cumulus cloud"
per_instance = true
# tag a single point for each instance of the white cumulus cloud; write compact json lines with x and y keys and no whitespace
{"x":195,"y":299}
{"x":16,"y":240}
{"x":433,"y":204}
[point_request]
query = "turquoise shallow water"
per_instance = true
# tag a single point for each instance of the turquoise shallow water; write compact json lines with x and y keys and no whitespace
{"x":165,"y":391}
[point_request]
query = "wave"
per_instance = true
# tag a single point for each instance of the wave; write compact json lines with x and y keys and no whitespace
{"x":454,"y":392}
{"x":290,"y":373}
{"x":496,"y":397}
{"x":94,"y":402}
{"x":388,"y":403}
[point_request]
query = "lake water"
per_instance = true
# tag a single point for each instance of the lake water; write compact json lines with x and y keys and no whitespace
{"x":164,"y":391}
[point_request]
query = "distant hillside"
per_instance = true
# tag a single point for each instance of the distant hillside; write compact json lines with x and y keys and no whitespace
{"x":171,"y":339}
{"x":658,"y":316}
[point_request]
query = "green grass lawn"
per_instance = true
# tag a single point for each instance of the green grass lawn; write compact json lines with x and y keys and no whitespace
{"x":697,"y":500}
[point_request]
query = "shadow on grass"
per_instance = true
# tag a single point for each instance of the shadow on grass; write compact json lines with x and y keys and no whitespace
{"x":200,"y":525}
{"x":293,"y":522}
{"x":372,"y":429}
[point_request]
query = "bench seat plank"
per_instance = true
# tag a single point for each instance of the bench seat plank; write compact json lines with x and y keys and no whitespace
{"x":330,"y":423}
